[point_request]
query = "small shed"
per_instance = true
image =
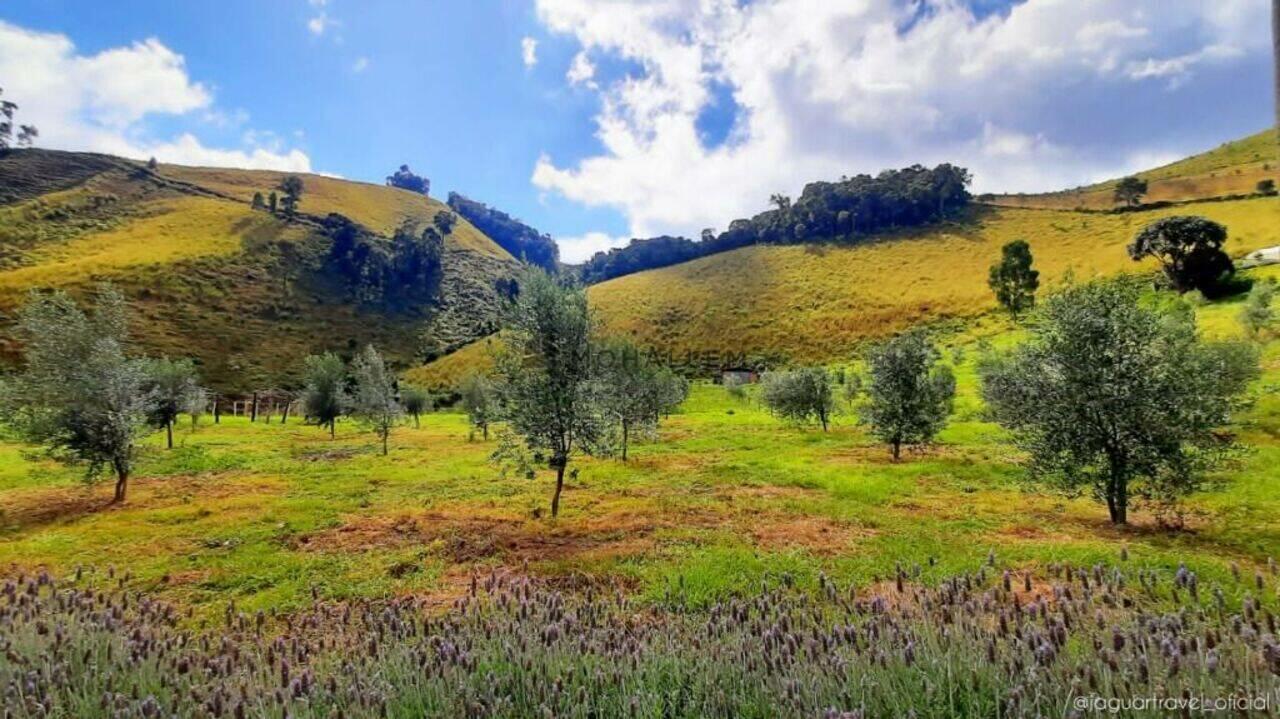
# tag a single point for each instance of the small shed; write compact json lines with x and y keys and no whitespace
{"x":739,"y":375}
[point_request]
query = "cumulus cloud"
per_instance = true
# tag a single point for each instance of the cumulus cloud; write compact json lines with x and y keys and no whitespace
{"x":529,"y":51}
{"x":101,"y":102}
{"x":581,"y":71}
{"x":580,"y":248}
{"x":821,"y":89}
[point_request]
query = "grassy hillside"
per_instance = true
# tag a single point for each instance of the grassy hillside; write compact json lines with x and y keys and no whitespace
{"x":726,"y":497}
{"x":241,"y":290}
{"x":1231,"y":169}
{"x":820,"y":301}
{"x":447,"y":372}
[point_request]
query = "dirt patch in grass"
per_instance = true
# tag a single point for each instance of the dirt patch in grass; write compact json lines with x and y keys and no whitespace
{"x":332,"y":454}
{"x":466,"y":535}
{"x":472,"y":539}
{"x":25,"y":510}
{"x":818,"y":535}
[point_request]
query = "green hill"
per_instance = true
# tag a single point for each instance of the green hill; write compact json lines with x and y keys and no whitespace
{"x":243,"y":291}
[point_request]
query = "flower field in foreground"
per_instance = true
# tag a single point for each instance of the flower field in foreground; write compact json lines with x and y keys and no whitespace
{"x":991,"y":642}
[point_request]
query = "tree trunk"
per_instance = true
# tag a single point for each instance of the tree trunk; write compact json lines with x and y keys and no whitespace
{"x":1118,"y":492}
{"x":485,"y":430}
{"x":555,"y":498}
{"x":386,"y":434}
{"x":284,"y":417}
{"x":168,"y":428}
{"x":416,"y":424}
{"x":626,"y":435}
{"x":122,"y":482}
{"x":217,"y":412}
{"x":897,"y":449}
{"x":823,"y":417}
{"x":253,"y":413}
{"x":333,"y":428}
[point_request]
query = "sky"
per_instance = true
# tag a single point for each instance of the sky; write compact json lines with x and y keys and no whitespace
{"x":601,"y":120}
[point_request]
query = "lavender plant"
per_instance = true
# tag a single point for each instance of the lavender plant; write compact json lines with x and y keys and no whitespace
{"x":989,"y":643}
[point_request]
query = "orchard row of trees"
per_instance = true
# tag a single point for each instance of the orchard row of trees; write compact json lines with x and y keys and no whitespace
{"x":81,"y":396}
{"x":1110,"y":394}
{"x":853,"y":207}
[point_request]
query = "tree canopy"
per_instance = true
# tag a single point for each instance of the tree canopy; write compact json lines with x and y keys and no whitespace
{"x":547,"y":389}
{"x":522,"y":241}
{"x":79,"y":394}
{"x":406,"y":180}
{"x":1013,"y":280}
{"x":1108,"y":393}
{"x":374,"y":402}
{"x":1188,"y":248}
{"x":1130,"y":190}
{"x":175,"y":388}
{"x":851,"y":208}
{"x":324,"y":396}
{"x":909,"y":393}
{"x":800,"y":395}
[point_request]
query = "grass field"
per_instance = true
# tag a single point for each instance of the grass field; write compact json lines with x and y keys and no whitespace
{"x":259,"y":514}
{"x":1233,"y":168}
{"x":820,"y":302}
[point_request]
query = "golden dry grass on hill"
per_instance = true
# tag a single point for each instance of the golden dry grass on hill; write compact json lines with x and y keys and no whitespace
{"x":819,"y":302}
{"x":168,"y":231}
{"x":447,"y":373}
{"x":382,"y":209}
{"x":1233,"y":168}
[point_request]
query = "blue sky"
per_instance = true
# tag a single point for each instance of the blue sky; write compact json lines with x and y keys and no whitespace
{"x":596,"y":121}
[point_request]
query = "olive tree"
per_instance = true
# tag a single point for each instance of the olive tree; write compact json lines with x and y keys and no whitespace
{"x":547,"y":387}
{"x":374,"y":402}
{"x":479,"y":402}
{"x":416,"y":402}
{"x":636,"y":391}
{"x":324,"y":394}
{"x":909,"y":392}
{"x":78,"y":393}
{"x":1112,"y":395}
{"x":175,"y":388}
{"x":800,"y":395}
{"x":1258,"y":316}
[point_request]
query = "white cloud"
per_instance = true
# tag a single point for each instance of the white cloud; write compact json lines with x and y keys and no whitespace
{"x":529,"y":51}
{"x":360,"y":65}
{"x":581,"y":71}
{"x":580,"y":248}
{"x":320,"y":22}
{"x":825,"y":88}
{"x":101,"y":102}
